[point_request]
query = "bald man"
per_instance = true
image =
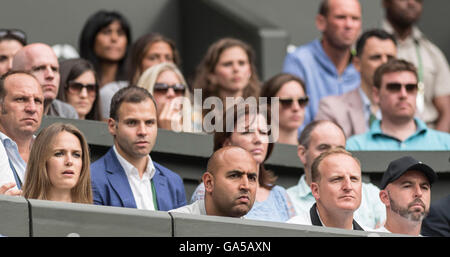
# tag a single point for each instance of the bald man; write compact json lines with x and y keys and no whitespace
{"x":40,"y":60}
{"x":230,"y":184}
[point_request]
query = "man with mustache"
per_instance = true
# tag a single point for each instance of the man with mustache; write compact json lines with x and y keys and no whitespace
{"x":40,"y":60}
{"x":126,"y":176}
{"x":395,"y":91}
{"x":406,"y":192}
{"x":336,"y":185}
{"x":230,"y":184}
{"x":21,"y":108}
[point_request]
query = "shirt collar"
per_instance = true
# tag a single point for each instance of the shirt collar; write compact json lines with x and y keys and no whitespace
{"x":130,"y":170}
{"x":303,"y":188}
{"x":416,"y":33}
{"x":7,"y":141}
{"x":375,"y":129}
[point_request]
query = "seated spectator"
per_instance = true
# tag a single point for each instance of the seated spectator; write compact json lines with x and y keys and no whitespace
{"x":126,"y":176}
{"x":173,"y":105}
{"x":250,"y":132}
{"x":437,"y":223}
{"x":40,"y":60}
{"x":104,"y":41}
{"x":316,"y":138}
{"x":19,"y":121}
{"x":325,"y":64}
{"x":11,"y":41}
{"x":355,"y":110}
{"x":79,"y":88}
{"x":293,"y":100}
{"x":395,"y":91}
{"x":406,"y":192}
{"x":148,"y":50}
{"x":230,"y":183}
{"x":58,"y":169}
{"x":336,"y":186}
{"x":227,"y":70}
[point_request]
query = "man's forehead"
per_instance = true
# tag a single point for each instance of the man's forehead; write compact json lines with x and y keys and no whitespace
{"x":22,"y":80}
{"x":142,"y":110}
{"x":327,"y":134}
{"x":400,"y":77}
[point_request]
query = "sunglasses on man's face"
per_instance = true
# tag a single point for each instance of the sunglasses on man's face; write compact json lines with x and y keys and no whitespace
{"x":287,"y":103}
{"x":76,"y":87}
{"x":163,"y":88}
{"x":14,"y":34}
{"x":396,"y":87}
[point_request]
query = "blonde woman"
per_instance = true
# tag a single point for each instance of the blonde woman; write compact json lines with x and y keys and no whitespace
{"x":58,"y":167}
{"x":173,"y":99}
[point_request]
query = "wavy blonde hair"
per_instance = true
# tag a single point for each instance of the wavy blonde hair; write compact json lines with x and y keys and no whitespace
{"x":37,"y":182}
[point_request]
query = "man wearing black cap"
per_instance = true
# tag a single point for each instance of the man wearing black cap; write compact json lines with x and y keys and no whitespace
{"x":406,"y":192}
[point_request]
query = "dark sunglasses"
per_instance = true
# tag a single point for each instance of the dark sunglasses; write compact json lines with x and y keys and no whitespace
{"x":396,"y":87}
{"x":76,"y":87}
{"x":16,"y":34}
{"x":163,"y":88}
{"x":287,"y":103}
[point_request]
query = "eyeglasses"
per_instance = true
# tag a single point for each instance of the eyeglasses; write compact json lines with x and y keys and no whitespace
{"x":163,"y":88}
{"x":16,"y":34}
{"x":287,"y":103}
{"x":76,"y":88}
{"x":396,"y":87}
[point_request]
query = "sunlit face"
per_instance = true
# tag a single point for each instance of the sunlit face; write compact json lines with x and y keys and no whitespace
{"x":135,"y":130}
{"x":291,"y":116}
{"x":111,"y":42}
{"x":22,"y":107}
{"x":233,"y":184}
{"x":163,"y":97}
{"x":82,"y":100}
{"x":251,"y":134}
{"x":375,"y":52}
{"x":399,"y":105}
{"x":409,"y":196}
{"x":339,"y":186}
{"x":65,"y":162}
{"x":8,"y":48}
{"x":232,"y":71}
{"x":43,"y":64}
{"x":342,"y":25}
{"x":158,"y":52}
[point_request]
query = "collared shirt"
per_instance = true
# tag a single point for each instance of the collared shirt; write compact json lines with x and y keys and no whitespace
{"x":198,"y":207}
{"x":435,"y":68}
{"x":385,"y":230}
{"x":370,"y":213}
{"x":9,"y":150}
{"x":141,"y":187}
{"x":367,"y":104}
{"x":310,"y":63}
{"x":422,"y":140}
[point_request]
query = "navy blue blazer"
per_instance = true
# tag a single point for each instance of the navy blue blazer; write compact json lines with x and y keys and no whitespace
{"x":110,"y":185}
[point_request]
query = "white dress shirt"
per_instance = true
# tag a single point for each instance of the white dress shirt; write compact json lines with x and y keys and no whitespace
{"x":141,"y":187}
{"x":10,"y":152}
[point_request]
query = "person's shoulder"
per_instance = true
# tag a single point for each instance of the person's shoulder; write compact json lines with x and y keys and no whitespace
{"x":166,"y":171}
{"x":355,"y":142}
{"x":100,"y":162}
{"x":301,"y":218}
{"x":65,"y":110}
{"x":305,"y":50}
{"x":113,"y":87}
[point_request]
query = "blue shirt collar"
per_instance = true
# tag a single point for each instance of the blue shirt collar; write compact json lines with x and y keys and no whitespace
{"x":375,"y":129}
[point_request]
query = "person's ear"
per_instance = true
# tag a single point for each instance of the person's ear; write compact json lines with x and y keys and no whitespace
{"x":112,"y":126}
{"x":384,"y":197}
{"x":208,"y":181}
{"x":301,"y":153}
{"x":321,"y":22}
{"x":315,"y":190}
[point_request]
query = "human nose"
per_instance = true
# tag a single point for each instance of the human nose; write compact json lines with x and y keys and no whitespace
{"x":244,"y":186}
{"x":142,"y":129}
{"x":30,"y":107}
{"x":49,"y":73}
{"x":83,"y":92}
{"x":347,"y":184}
{"x":417,"y":192}
{"x":170,"y":93}
{"x":69,"y":159}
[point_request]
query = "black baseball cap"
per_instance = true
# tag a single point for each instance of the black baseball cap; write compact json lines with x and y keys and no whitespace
{"x":398,"y":167}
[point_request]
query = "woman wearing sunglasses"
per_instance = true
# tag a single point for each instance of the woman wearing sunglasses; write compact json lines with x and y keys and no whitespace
{"x":292,"y":96}
{"x":79,"y":88}
{"x":251,"y":132}
{"x":173,"y":99}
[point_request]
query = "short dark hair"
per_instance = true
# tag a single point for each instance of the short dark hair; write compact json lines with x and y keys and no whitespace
{"x":92,"y":27}
{"x":130,"y":94}
{"x":394,"y":65}
{"x":6,"y":75}
{"x":315,"y":174}
{"x":378,"y":33}
{"x":305,"y":136}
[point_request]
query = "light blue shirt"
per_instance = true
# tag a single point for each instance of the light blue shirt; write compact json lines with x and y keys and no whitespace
{"x":277,"y":207}
{"x":422,"y":140}
{"x":12,"y":152}
{"x":310,"y":63}
{"x":370,"y":213}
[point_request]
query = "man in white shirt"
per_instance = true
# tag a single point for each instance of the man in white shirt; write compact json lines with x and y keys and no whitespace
{"x":21,"y":110}
{"x":336,"y":185}
{"x":406,"y":192}
{"x":230,"y":184}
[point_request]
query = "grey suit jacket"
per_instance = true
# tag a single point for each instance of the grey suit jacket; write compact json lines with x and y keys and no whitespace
{"x":62,"y":109}
{"x":347,"y":110}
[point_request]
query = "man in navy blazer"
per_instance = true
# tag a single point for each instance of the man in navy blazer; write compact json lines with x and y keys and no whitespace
{"x":126,"y":176}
